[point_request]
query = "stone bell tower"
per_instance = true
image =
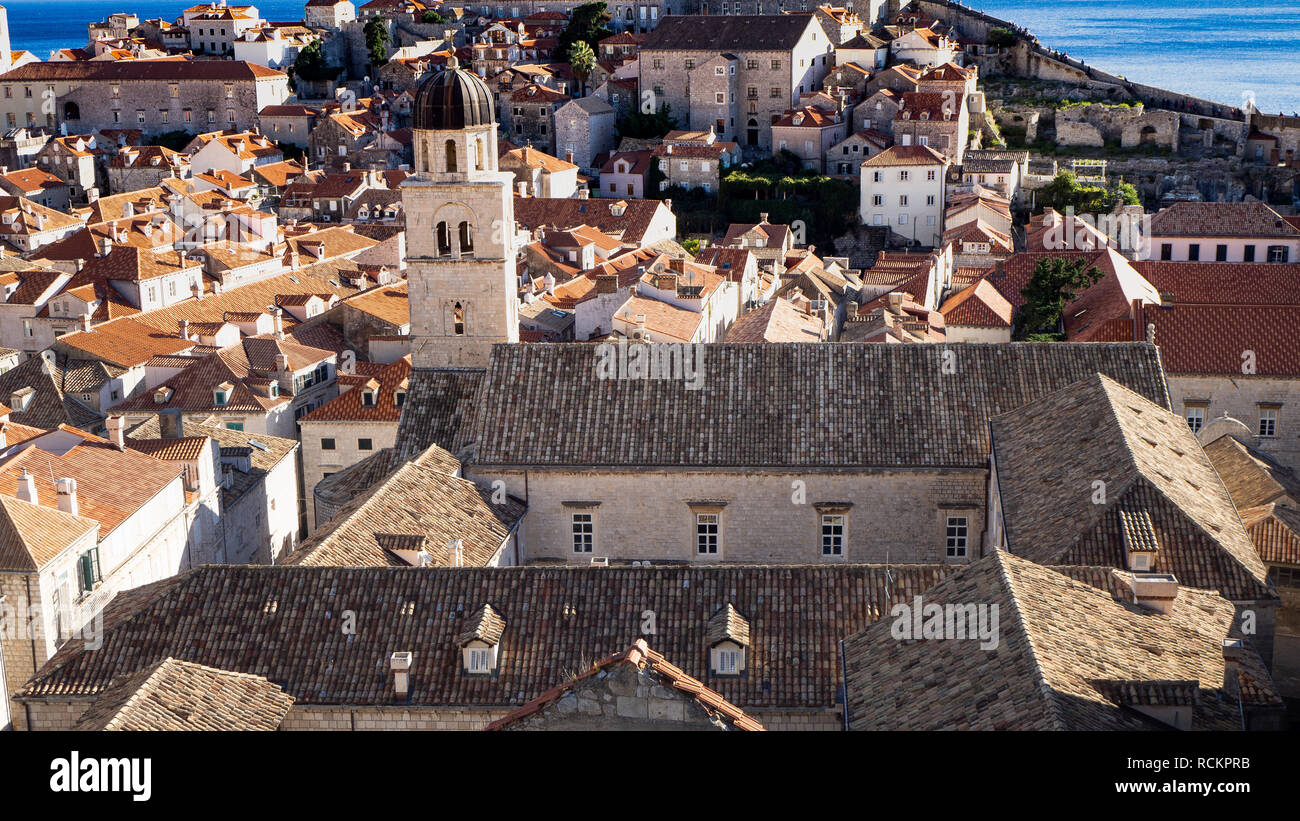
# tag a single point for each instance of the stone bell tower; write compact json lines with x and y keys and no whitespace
{"x":460,"y":221}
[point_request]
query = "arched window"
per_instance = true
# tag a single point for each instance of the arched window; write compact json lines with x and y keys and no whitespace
{"x":71,"y":111}
{"x":466,"y":238}
{"x":451,"y":156}
{"x":444,"y":240}
{"x":458,"y":318}
{"x":427,"y":153}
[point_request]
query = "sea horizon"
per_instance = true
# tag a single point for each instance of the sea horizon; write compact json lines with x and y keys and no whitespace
{"x":1238,"y":50}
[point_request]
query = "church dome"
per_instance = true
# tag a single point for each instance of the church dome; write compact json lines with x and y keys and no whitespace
{"x":452,"y":99}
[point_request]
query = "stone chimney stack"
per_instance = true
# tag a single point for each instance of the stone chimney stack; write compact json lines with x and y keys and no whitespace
{"x":1156,"y":591}
{"x":400,"y":664}
{"x":279,"y":322}
{"x":27,"y":488}
{"x":67,"y":489}
{"x":116,"y":431}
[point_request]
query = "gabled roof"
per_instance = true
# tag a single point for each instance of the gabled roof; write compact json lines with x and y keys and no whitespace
{"x":979,"y":305}
{"x":767,"y":32}
{"x":178,"y":695}
{"x":1068,"y":656}
{"x":654,"y":669}
{"x":942,"y":421}
{"x":50,"y":405}
{"x":350,"y":406}
{"x":1221,"y":219}
{"x":31,"y":536}
{"x":777,"y":321}
{"x":556,"y":619}
{"x":1143,"y":456}
{"x":415,"y":500}
{"x":906,"y":155}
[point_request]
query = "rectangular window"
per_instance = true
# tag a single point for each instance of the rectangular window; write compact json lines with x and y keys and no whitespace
{"x":88,"y":569}
{"x":1166,"y":251}
{"x":1195,"y":418}
{"x":365,"y":444}
{"x":728,"y":662}
{"x":327,"y":444}
{"x":234,"y":426}
{"x":1277,"y":253}
{"x":584,"y":532}
{"x":832,"y":535}
{"x":902,"y":200}
{"x":956,"y":537}
{"x":174,"y":89}
{"x":1247,"y":256}
{"x":929,"y":175}
{"x":1221,"y":253}
{"x":903,"y":176}
{"x":1194,"y":252}
{"x":1267,"y":422}
{"x":706,"y":534}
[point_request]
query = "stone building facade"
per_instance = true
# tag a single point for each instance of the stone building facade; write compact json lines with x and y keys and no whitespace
{"x":154,"y":96}
{"x":776,"y":58}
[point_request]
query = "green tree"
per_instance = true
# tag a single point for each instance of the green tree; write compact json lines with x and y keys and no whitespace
{"x":586,"y":24}
{"x":377,"y":39}
{"x":692,"y":246}
{"x":1065,"y":191}
{"x":582,"y":60}
{"x":1001,"y":38}
{"x":312,"y":66}
{"x":432,"y":17}
{"x":1055,"y":283}
{"x":644,"y":125}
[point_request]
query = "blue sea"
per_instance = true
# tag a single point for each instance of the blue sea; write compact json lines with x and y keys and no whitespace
{"x":1219,"y":51}
{"x":1216,"y":50}
{"x":42,"y":26}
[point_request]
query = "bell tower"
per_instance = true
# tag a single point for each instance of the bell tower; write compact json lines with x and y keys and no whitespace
{"x":460,"y":227}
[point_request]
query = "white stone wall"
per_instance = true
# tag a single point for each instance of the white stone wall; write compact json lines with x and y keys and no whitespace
{"x":316,"y":461}
{"x":767,"y":517}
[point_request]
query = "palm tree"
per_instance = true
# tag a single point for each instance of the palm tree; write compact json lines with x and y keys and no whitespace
{"x":582,"y":60}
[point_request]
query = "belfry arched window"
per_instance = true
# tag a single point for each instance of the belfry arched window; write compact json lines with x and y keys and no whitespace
{"x":444,"y":240}
{"x":466,"y":238}
{"x":451,"y":156}
{"x":458,"y":319}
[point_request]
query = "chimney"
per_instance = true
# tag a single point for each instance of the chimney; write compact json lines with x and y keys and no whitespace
{"x":282,"y":362}
{"x":170,"y":424}
{"x":1151,"y":333}
{"x":67,"y":489}
{"x":549,"y":283}
{"x":116,"y":431}
{"x":851,"y":311}
{"x":522,"y":188}
{"x":347,"y":166}
{"x":1156,"y":591}
{"x":583,"y":193}
{"x":896,"y":302}
{"x":85,"y":324}
{"x":279,"y":323}
{"x":197,"y":290}
{"x":183,"y":326}
{"x":1234,"y":652}
{"x":105,"y":246}
{"x":27,"y":487}
{"x":762,"y":218}
{"x":400,"y":663}
{"x":640,"y":326}
{"x":456,"y":549}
